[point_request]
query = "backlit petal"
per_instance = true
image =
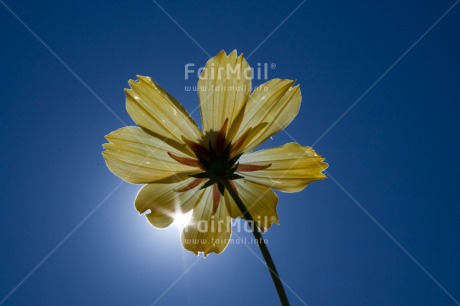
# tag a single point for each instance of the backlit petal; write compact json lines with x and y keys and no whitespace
{"x":223,"y":90}
{"x":260,"y":202}
{"x":292,"y":168}
{"x":270,"y":108}
{"x":208,"y":232}
{"x":152,"y":108}
{"x":137,"y":157}
{"x":164,"y":202}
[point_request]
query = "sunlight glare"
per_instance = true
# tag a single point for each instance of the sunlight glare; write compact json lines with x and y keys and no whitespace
{"x":181,"y":219}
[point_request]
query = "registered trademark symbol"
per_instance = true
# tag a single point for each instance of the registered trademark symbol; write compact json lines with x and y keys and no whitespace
{"x":272,"y":65}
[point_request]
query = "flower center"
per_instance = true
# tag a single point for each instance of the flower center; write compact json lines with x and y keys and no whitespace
{"x":217,"y":163}
{"x":217,"y":157}
{"x":218,"y":167}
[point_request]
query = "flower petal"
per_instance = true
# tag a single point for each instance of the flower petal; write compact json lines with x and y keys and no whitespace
{"x":260,"y":202}
{"x":164,"y":201}
{"x":208,"y":232}
{"x":223,"y":90}
{"x":293,"y":167}
{"x":152,"y":108}
{"x":270,"y":108}
{"x":137,"y":157}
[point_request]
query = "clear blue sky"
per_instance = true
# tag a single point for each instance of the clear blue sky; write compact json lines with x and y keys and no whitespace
{"x":395,"y":153}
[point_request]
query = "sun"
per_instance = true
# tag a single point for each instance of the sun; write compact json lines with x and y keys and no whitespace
{"x":181,"y":219}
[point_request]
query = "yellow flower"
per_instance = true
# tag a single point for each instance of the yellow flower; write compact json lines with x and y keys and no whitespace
{"x":183,"y":167}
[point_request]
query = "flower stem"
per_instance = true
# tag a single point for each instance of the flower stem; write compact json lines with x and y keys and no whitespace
{"x":263,"y":247}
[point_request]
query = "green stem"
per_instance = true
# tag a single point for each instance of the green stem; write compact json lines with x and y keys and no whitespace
{"x":263,"y":247}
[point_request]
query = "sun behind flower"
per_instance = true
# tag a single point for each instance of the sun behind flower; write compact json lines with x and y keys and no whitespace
{"x":184,"y":168}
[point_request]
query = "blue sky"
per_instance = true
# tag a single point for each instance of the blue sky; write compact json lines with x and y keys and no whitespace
{"x":382,"y":230}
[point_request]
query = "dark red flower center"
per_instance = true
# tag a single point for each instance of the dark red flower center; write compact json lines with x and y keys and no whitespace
{"x":218,"y":160}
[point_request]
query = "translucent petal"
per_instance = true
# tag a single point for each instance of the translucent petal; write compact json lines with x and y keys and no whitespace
{"x":270,"y":108}
{"x":164,"y":202}
{"x":152,"y":108}
{"x":137,"y":157}
{"x":260,"y":201}
{"x":293,"y":167}
{"x":223,"y":90}
{"x":208,"y":232}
